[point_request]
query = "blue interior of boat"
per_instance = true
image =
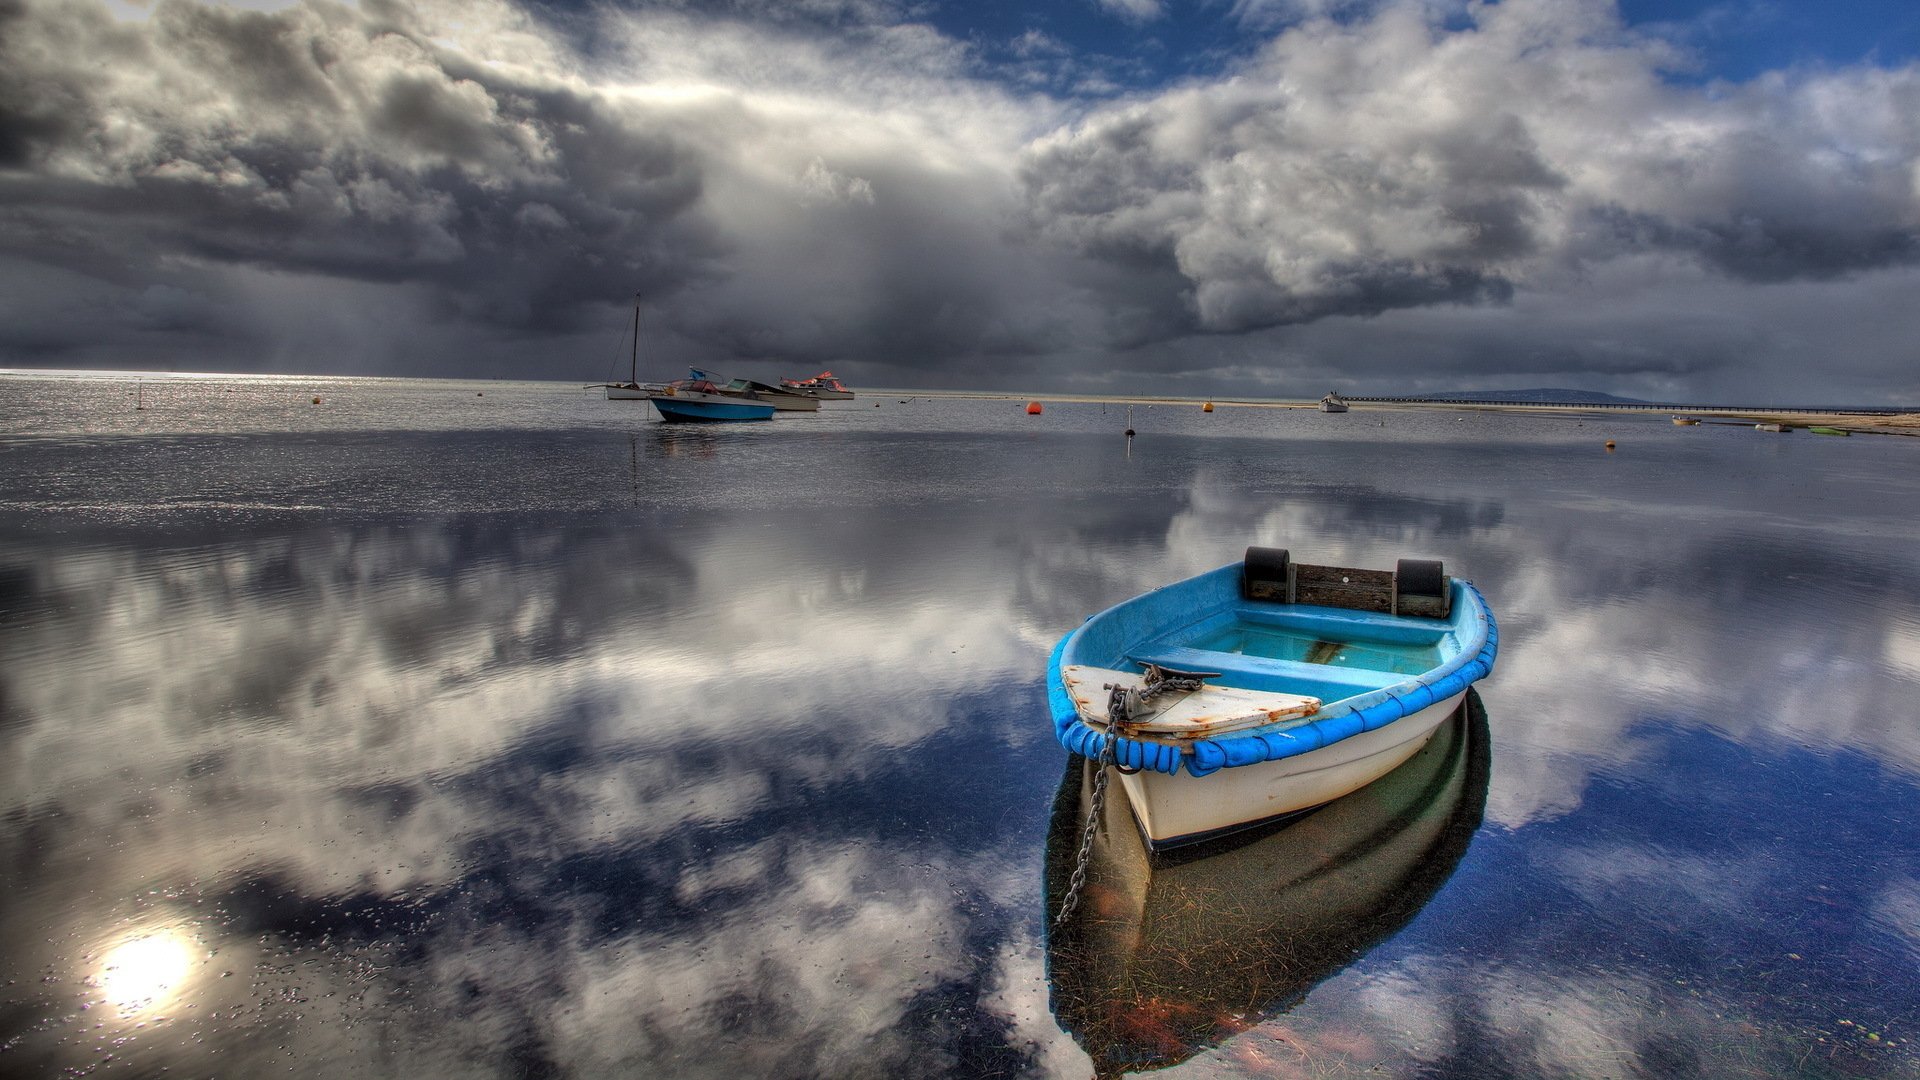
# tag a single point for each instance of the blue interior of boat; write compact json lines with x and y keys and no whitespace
{"x":1328,"y":653}
{"x":1398,"y":665}
{"x":1261,"y":673}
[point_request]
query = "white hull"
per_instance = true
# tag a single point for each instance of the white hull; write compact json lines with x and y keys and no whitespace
{"x":625,"y":393}
{"x":1176,"y":807}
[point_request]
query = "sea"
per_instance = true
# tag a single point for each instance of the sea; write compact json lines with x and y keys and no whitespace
{"x":357,"y":727}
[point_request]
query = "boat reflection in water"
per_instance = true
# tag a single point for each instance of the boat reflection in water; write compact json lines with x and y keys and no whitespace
{"x":1167,"y":954}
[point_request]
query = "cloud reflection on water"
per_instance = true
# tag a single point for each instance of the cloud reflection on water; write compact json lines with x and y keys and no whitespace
{"x":450,"y":795}
{"x":347,"y":742}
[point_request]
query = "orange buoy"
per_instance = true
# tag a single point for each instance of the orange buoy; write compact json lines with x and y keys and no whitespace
{"x":1033,"y":408}
{"x":1609,"y":444}
{"x":1208,"y":407}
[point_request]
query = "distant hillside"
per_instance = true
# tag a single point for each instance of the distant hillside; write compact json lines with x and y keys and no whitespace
{"x":1567,"y":397}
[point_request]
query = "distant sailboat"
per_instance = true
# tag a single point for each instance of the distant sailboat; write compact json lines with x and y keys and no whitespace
{"x":1332,"y":403}
{"x":631,"y":390}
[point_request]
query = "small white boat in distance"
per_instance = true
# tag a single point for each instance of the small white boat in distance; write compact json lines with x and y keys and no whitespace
{"x":1266,"y":688}
{"x":823,"y":386}
{"x":1332,"y":403}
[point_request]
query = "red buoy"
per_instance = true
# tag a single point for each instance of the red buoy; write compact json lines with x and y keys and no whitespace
{"x":1033,"y":408}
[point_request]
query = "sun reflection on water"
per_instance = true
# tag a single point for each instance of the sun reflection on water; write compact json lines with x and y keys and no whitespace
{"x":144,"y":973}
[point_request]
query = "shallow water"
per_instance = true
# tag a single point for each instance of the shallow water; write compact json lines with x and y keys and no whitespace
{"x":456,"y":729}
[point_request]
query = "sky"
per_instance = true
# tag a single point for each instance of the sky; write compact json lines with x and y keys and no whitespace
{"x":1675,"y":200}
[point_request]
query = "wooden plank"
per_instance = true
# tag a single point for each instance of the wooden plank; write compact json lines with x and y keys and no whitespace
{"x":1343,"y":587}
{"x":1211,"y":710}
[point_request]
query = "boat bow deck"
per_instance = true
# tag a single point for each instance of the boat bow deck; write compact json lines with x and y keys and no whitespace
{"x":1208,"y":711}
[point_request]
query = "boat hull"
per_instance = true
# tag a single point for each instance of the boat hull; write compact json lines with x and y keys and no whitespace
{"x":683,"y":409}
{"x":1239,"y":932}
{"x":628,"y":393}
{"x":1177,"y":809}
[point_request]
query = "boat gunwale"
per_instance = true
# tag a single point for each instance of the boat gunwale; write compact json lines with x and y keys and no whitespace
{"x":1472,"y":623}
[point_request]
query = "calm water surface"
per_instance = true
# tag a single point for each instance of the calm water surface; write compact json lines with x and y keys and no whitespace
{"x":470,"y":730}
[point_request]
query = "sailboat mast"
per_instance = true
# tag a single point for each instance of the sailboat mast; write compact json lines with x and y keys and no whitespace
{"x":633,"y":367}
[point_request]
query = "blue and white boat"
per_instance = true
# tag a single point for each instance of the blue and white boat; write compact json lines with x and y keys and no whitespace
{"x":701,"y":400}
{"x":1266,"y":688}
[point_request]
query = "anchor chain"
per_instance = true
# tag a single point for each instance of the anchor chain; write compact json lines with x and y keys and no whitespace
{"x":1124,"y":702}
{"x":1079,"y":878}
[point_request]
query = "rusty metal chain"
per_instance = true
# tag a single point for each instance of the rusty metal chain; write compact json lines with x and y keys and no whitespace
{"x":1125,"y":702}
{"x":1079,"y":878}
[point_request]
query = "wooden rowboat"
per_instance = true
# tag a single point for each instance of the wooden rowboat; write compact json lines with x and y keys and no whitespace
{"x":1265,"y":688}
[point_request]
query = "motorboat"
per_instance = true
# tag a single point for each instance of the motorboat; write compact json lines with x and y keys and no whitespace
{"x":823,"y":386}
{"x":782,"y":400}
{"x":1333,"y":403}
{"x":700,"y":400}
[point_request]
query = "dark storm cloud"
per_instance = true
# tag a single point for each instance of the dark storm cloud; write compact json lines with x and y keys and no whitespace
{"x":837,"y":183}
{"x":319,"y":140}
{"x":359,"y":145}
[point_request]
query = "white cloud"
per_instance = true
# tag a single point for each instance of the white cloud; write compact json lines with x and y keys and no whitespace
{"x":1138,"y":11}
{"x":820,"y":183}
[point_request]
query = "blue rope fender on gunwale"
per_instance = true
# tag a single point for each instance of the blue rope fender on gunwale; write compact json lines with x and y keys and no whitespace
{"x":1255,"y":746}
{"x":1076,"y":735}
